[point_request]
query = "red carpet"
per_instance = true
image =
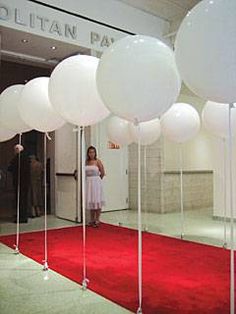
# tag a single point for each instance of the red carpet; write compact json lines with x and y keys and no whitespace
{"x":178,"y":276}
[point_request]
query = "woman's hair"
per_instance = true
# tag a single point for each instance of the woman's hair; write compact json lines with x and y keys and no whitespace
{"x":91,"y":148}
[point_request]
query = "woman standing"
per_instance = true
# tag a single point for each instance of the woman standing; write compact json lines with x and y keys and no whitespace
{"x":94,"y":192}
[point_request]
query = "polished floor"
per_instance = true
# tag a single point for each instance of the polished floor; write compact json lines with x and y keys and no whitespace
{"x":26,"y":288}
{"x":199,"y":225}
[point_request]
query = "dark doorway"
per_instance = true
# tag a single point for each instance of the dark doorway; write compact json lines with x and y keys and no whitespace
{"x":17,"y":73}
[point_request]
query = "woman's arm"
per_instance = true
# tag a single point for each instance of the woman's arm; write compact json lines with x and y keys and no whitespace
{"x":101,"y":168}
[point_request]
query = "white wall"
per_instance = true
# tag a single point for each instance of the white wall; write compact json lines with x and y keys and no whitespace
{"x":197,"y":153}
{"x":115,"y":162}
{"x":204,"y":152}
{"x":65,"y":162}
{"x":221,"y":182}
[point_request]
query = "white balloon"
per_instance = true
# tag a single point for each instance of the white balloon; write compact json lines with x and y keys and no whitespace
{"x":73,"y":91}
{"x":137,"y":78}
{"x":9,"y":110}
{"x":35,"y":108}
{"x":149,"y":132}
{"x":6,"y":135}
{"x":205,"y":50}
{"x":118,"y":131}
{"x":215,"y":119}
{"x":180,"y":123}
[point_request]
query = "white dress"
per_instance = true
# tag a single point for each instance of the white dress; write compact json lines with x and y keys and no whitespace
{"x":94,"y":190}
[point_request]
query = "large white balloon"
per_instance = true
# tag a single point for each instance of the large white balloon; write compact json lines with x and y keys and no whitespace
{"x":205,"y":50}
{"x":118,"y":131}
{"x":137,"y":78}
{"x":215,"y":119}
{"x":180,"y":123}
{"x":6,"y":135}
{"x":149,"y":132}
{"x":35,"y":108}
{"x":73,"y":91}
{"x":9,"y":109}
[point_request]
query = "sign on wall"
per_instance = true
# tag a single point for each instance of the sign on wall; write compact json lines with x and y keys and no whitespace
{"x":47,"y":22}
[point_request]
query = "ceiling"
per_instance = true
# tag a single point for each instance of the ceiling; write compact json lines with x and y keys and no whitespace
{"x":24,"y":47}
{"x":28,"y":48}
{"x":170,"y":10}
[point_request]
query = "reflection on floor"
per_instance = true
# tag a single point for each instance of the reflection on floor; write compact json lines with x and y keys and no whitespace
{"x":23,"y":288}
{"x":199,"y":225}
{"x":35,"y":224}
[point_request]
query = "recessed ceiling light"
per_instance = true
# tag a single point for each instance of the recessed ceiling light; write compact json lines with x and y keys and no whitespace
{"x":53,"y":48}
{"x":24,"y":41}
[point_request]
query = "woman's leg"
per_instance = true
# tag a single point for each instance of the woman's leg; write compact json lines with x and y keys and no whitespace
{"x":92,"y":216}
{"x":98,"y":214}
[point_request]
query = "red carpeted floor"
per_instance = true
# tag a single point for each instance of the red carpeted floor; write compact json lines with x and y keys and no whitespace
{"x":178,"y":276}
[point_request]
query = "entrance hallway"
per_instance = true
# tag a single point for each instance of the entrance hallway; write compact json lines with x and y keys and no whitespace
{"x":24,"y":288}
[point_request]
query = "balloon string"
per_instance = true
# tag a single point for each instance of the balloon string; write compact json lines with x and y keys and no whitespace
{"x":181,"y":190}
{"x":139,"y":226}
{"x":232,"y":292}
{"x":77,"y":174}
{"x":85,"y":280}
{"x":48,"y":136}
{"x":17,"y":250}
{"x":145,"y":184}
{"x":224,"y":189}
{"x":45,"y":267}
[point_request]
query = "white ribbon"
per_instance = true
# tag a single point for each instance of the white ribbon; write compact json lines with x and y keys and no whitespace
{"x":85,"y":281}
{"x":48,"y":136}
{"x":181,"y":190}
{"x":231,"y":217}
{"x":145,"y":189}
{"x":224,"y":183}
{"x":139,"y":311}
{"x":17,"y":249}
{"x":45,"y":261}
